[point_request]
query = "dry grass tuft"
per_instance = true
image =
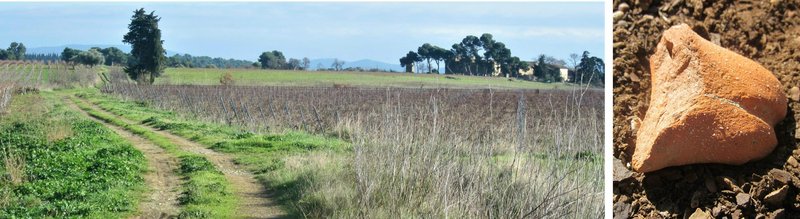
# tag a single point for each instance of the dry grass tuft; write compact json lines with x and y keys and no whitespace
{"x":14,"y":167}
{"x":59,"y":131}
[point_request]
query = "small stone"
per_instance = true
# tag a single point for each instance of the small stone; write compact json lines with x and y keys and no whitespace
{"x":792,"y":161}
{"x":780,"y":176}
{"x":699,"y":214}
{"x":775,"y":198}
{"x":716,"y":210}
{"x":794,"y":93}
{"x":796,"y":203}
{"x":728,"y":183}
{"x":742,"y":199}
{"x":618,"y":15}
{"x":634,"y":78}
{"x":624,"y":7}
{"x":623,"y":198}
{"x":707,"y":105}
{"x":795,"y":181}
{"x":797,"y":133}
{"x":715,"y":38}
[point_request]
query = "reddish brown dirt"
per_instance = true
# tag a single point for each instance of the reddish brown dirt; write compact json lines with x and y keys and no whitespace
{"x":765,"y":31}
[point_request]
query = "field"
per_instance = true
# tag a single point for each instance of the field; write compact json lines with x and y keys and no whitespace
{"x":293,"y":146}
{"x":765,"y":32}
{"x":182,"y":76}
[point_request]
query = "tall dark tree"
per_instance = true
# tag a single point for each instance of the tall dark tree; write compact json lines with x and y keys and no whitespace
{"x":473,"y":47}
{"x":590,"y":70}
{"x":147,"y":60}
{"x":427,"y":52}
{"x":492,"y":50}
{"x":439,"y":55}
{"x":409,"y":60}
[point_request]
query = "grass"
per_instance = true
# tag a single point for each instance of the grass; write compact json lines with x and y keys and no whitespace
{"x":207,"y":194}
{"x":201,"y":76}
{"x":88,"y":171}
{"x":265,"y":155}
{"x":381,"y":171}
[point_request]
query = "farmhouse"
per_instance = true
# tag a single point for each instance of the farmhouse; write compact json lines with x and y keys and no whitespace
{"x":564,"y":73}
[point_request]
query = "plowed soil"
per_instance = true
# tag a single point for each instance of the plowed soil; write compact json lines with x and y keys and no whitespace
{"x":765,"y":31}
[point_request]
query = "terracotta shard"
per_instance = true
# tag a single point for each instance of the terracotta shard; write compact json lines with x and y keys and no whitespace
{"x":707,"y":105}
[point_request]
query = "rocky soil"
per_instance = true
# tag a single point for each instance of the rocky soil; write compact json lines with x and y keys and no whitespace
{"x":765,"y":31}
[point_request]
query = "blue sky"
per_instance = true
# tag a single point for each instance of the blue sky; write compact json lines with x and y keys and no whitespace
{"x":349,"y":31}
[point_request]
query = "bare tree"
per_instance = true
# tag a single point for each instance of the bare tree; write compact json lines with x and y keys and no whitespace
{"x":574,"y":59}
{"x":337,"y":64}
{"x":306,"y":63}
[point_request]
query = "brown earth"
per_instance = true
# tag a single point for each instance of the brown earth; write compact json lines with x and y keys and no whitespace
{"x":253,"y":199}
{"x":161,"y":178}
{"x":767,"y":32}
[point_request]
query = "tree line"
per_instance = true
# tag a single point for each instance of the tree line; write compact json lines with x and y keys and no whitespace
{"x":49,"y":57}
{"x":276,"y":60}
{"x":474,"y":55}
{"x":189,"y":61}
{"x":110,"y":56}
{"x":485,"y":56}
{"x":15,"y":51}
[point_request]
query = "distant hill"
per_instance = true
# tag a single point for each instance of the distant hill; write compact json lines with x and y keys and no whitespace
{"x":59,"y":49}
{"x":363,"y":63}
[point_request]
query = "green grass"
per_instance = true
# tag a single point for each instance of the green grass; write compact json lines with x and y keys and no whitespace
{"x":265,"y":155}
{"x":71,"y":166}
{"x":207,"y":194}
{"x":202,"y":76}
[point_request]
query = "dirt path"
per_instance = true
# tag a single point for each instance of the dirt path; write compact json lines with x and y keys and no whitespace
{"x":161,"y":178}
{"x":254,"y":200}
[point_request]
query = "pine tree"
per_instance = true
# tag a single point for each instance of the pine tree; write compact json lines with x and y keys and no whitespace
{"x":148,"y":58}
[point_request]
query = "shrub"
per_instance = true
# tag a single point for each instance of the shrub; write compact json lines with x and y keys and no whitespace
{"x":227,"y":79}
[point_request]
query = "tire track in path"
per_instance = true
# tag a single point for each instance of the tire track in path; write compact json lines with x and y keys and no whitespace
{"x":254,"y":200}
{"x":161,"y":178}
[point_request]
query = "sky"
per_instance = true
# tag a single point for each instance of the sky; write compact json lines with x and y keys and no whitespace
{"x":349,"y":31}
